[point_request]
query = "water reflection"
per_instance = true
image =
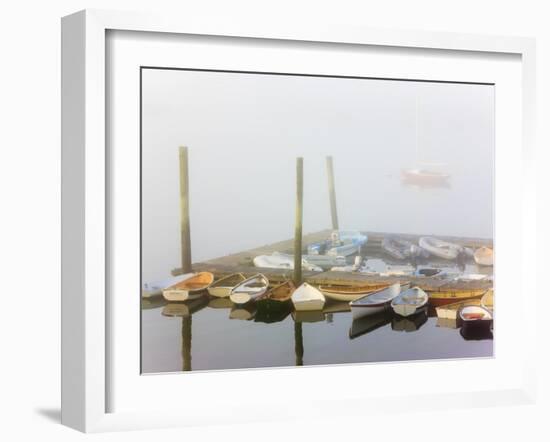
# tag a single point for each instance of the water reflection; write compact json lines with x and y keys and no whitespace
{"x":475,"y":334}
{"x":268,"y":325}
{"x":409,"y":323}
{"x":369,"y":323}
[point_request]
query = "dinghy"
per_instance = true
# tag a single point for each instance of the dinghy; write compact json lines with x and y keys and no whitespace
{"x":249,"y":289}
{"x":276,"y":298}
{"x":396,"y":247}
{"x":377,"y":301}
{"x":325,"y":261}
{"x":344,"y":250}
{"x":279,"y":260}
{"x":222,"y":287}
{"x":349,"y":293}
{"x":484,"y":256}
{"x":189,"y":288}
{"x":150,"y":289}
{"x":475,"y":318}
{"x":440,"y":248}
{"x":447,"y":294}
{"x":409,"y":302}
{"x":306,"y":298}
{"x":379,"y":267}
{"x":487,"y":300}
{"x":346,"y":268}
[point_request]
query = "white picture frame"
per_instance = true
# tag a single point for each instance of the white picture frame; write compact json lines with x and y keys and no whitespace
{"x":87,"y":356}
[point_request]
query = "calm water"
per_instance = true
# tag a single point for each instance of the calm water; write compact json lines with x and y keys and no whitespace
{"x":209,"y":339}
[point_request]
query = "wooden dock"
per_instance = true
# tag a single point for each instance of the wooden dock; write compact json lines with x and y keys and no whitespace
{"x":242,"y":262}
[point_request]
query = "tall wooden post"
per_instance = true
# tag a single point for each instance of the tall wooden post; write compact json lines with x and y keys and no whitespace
{"x":298,"y":221}
{"x":332,"y":194}
{"x":185,"y":228}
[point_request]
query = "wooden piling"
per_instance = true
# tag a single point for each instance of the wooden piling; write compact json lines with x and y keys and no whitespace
{"x":186,"y":330}
{"x":185,"y":228}
{"x":298,"y":221}
{"x":332,"y":193}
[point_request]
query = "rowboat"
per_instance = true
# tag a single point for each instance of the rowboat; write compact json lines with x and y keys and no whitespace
{"x":484,"y":256}
{"x":409,"y":302}
{"x":449,"y":295}
{"x":345,"y":242}
{"x":377,"y":301}
{"x":475,"y":318}
{"x":150,"y":289}
{"x":487,"y":300}
{"x":222,"y":287}
{"x":396,"y":247}
{"x":409,"y":323}
{"x":375,"y":266}
{"x":344,"y":250}
{"x":450,"y":311}
{"x":366,"y":324}
{"x":440,"y":248}
{"x":306,"y":298}
{"x":249,"y":289}
{"x":325,"y":261}
{"x":189,"y":288}
{"x":349,"y":268}
{"x":349,"y":293}
{"x":276,"y":297}
{"x":279,"y":260}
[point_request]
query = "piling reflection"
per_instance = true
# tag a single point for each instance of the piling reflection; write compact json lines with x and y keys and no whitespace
{"x":298,"y":344}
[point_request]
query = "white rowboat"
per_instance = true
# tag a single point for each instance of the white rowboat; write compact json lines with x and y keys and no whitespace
{"x":410,"y":301}
{"x":249,"y":289}
{"x":440,"y":248}
{"x":306,"y":298}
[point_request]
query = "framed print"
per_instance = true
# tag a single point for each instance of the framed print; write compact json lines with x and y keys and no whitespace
{"x":291,"y":208}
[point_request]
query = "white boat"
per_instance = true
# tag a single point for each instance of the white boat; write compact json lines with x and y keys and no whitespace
{"x":440,"y":248}
{"x":190,"y":288}
{"x":325,"y":261}
{"x":396,"y":247}
{"x":279,"y":260}
{"x":484,"y":256}
{"x":344,"y":250}
{"x":306,"y":298}
{"x":249,"y":289}
{"x":410,"y":301}
{"x":375,"y":266}
{"x":222,"y":287}
{"x":377,"y":301}
{"x":155,"y":288}
{"x":349,"y":268}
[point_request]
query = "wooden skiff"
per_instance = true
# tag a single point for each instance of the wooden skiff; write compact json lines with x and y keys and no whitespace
{"x":189,"y":288}
{"x":222,"y":287}
{"x":488,"y":299}
{"x":448,"y":295}
{"x":349,"y":293}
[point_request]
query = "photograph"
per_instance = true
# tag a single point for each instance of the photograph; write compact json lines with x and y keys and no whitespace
{"x":301,"y":219}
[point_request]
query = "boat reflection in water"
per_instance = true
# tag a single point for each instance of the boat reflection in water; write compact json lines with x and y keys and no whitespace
{"x":409,"y":323}
{"x":244,"y":312}
{"x":308,"y":316}
{"x":369,"y":323}
{"x":185,"y":310}
{"x":271,"y":315}
{"x":473,"y":334}
{"x":220,"y":303}
{"x":153,"y":302}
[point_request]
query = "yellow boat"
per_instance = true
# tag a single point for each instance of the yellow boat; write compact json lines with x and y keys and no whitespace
{"x":487,"y":299}
{"x":350,"y":293}
{"x":448,"y":295}
{"x":189,"y":288}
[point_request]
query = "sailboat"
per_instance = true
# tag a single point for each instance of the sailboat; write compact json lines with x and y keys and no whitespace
{"x":424,"y":174}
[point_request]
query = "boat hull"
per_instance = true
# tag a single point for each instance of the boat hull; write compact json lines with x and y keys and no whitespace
{"x":182,"y":295}
{"x":438,"y":299}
